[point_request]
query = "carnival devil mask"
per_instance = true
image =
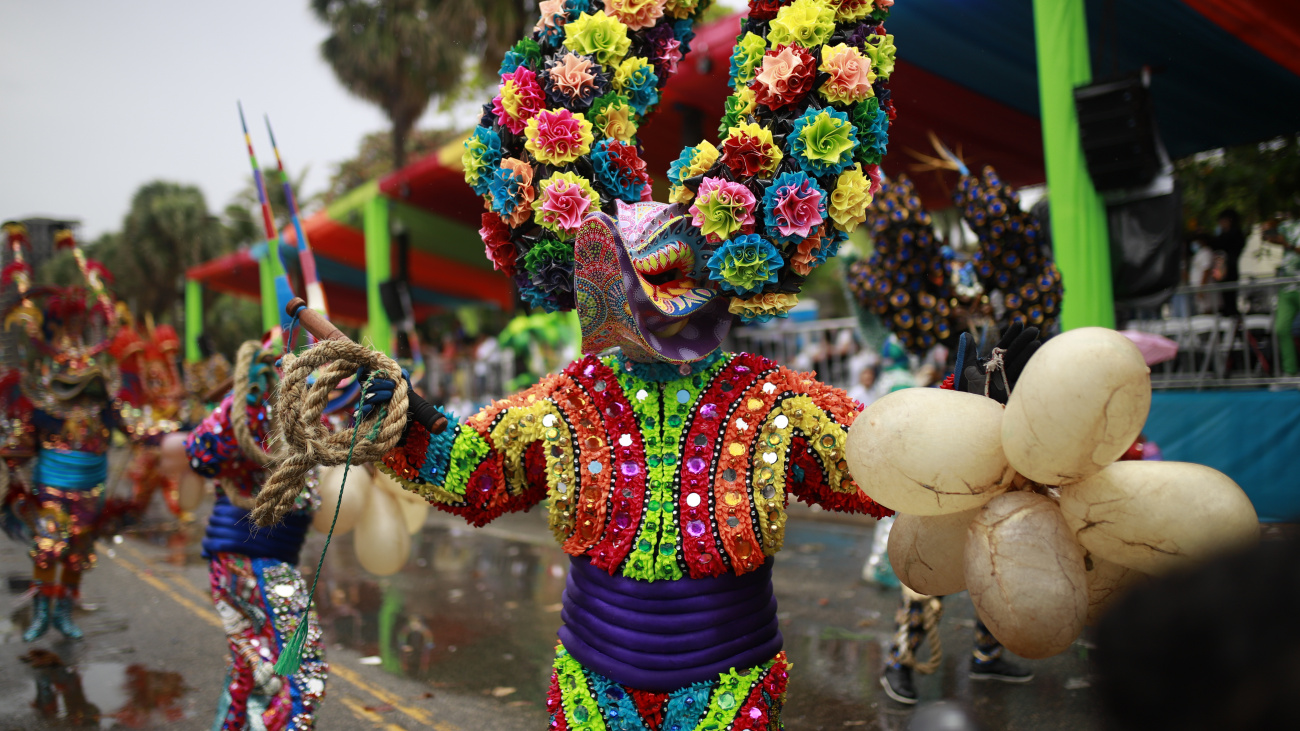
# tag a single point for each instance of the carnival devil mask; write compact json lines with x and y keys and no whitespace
{"x":570,"y":218}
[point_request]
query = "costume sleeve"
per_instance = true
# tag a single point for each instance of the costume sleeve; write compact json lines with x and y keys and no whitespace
{"x":213,"y":450}
{"x":489,"y":465}
{"x":817,"y":473}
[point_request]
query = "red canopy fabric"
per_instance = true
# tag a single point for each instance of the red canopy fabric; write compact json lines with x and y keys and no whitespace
{"x":1271,"y":27}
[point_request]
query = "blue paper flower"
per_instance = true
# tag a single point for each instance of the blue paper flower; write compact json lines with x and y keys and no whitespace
{"x":507,"y":190}
{"x":613,"y":175}
{"x":745,"y":264}
{"x":802,"y":186}
{"x":481,"y":157}
{"x":676,"y":167}
{"x":822,"y":141}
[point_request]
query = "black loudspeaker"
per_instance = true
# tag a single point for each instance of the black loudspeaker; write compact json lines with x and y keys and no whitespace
{"x":1118,"y":133}
{"x":396,"y":296}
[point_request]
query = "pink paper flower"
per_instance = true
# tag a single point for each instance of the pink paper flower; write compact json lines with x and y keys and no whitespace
{"x":798,"y":211}
{"x":558,"y":136}
{"x":566,"y":199}
{"x":874,"y":172}
{"x":850,"y":74}
{"x":520,"y":98}
{"x":785,"y":77}
{"x":721,"y":208}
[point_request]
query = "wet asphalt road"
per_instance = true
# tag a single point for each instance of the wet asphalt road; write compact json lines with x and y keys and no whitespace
{"x":462,"y":638}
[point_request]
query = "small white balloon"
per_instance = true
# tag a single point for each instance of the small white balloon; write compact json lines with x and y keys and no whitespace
{"x":1159,"y":516}
{"x":928,"y":451}
{"x":1026,"y":575}
{"x":189,"y":493}
{"x":382,"y":543}
{"x":172,"y":461}
{"x":928,"y":552}
{"x":1078,"y":406}
{"x":356,"y":496}
{"x":414,"y":508}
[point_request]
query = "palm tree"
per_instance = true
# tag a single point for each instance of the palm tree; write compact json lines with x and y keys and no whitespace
{"x":399,"y":54}
{"x":167,"y":230}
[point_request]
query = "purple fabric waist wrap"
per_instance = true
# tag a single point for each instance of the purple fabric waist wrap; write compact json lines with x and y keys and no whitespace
{"x":663,"y":635}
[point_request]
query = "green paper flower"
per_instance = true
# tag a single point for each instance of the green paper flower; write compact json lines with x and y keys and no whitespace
{"x":883,"y":53}
{"x":599,"y":35}
{"x":808,"y":23}
{"x":823,"y":141}
{"x":745,"y":58}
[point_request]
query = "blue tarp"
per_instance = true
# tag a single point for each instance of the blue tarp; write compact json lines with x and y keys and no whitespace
{"x":1251,"y":436}
{"x":1209,"y":89}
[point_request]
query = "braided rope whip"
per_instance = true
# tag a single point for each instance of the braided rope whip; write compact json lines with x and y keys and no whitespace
{"x":932,"y":611}
{"x":305,"y":441}
{"x":251,"y":447}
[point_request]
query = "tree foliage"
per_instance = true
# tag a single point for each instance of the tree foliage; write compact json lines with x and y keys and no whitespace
{"x":400,"y":54}
{"x":1259,"y":180}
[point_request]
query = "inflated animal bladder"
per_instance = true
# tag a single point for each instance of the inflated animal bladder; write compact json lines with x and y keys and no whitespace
{"x":356,"y":496}
{"x":1078,"y":406}
{"x":382,"y":541}
{"x":927,"y":451}
{"x":1159,"y":516}
{"x":926,"y":551}
{"x":1026,"y":574}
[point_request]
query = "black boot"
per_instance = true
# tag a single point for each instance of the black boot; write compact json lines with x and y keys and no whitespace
{"x":987,"y":663}
{"x":897,"y":682}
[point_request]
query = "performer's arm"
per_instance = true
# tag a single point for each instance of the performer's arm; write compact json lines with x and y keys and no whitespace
{"x":213,"y":450}
{"x":475,"y":469}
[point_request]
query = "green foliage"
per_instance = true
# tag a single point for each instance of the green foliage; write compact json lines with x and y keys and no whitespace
{"x":1259,"y":180}
{"x":230,"y":320}
{"x":244,"y":212}
{"x":400,"y":54}
{"x":375,"y":158}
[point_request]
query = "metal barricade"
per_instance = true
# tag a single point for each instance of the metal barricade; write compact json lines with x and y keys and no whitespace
{"x":824,"y":347}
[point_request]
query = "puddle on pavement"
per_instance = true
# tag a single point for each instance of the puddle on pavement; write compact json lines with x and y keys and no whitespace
{"x":103,"y":694}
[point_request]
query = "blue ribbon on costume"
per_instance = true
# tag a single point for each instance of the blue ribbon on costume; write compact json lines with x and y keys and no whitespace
{"x":70,"y":470}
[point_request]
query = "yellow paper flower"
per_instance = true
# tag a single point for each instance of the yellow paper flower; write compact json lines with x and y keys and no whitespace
{"x":809,"y":23}
{"x":599,"y":35}
{"x":703,"y":158}
{"x":763,"y":307}
{"x":617,"y":122}
{"x":849,"y":10}
{"x":558,"y":136}
{"x":852,"y":195}
{"x":636,"y":14}
{"x":682,"y":9}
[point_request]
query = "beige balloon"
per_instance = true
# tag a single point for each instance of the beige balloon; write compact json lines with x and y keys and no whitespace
{"x":1078,"y":406}
{"x":928,"y":451}
{"x":414,"y":508}
{"x":381,"y":541}
{"x":1025,"y":574}
{"x":172,"y":461}
{"x":189,"y":491}
{"x":1107,"y":581}
{"x":356,"y":496}
{"x":1159,"y":516}
{"x":928,"y":552}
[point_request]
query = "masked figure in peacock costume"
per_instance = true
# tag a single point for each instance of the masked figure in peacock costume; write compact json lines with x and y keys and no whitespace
{"x":61,"y":408}
{"x":258,"y":591}
{"x":666,"y":464}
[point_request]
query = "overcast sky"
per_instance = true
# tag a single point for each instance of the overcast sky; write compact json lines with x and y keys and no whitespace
{"x":99,"y":97}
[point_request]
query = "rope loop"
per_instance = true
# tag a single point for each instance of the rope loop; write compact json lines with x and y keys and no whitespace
{"x":304,"y":439}
{"x":996,"y":363}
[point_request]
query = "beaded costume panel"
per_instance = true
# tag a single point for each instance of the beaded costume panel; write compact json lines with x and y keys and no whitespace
{"x":651,"y":473}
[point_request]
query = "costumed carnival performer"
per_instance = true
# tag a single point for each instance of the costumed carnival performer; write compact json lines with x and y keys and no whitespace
{"x":666,"y":465}
{"x":60,"y":414}
{"x":256,"y":586}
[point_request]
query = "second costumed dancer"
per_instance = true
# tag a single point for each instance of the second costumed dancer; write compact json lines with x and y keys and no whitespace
{"x":666,"y":465}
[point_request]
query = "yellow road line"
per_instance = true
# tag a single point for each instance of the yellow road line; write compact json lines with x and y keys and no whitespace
{"x":419,"y":715}
{"x":179,"y":581}
{"x":363,"y":714}
{"x":206,"y":614}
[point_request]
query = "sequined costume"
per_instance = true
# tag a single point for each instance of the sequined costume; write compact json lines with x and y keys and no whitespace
{"x":256,"y":586}
{"x":659,"y":477}
{"x":60,"y":413}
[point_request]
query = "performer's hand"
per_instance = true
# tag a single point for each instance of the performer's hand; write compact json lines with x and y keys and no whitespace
{"x":380,"y":391}
{"x":1018,"y":344}
{"x":265,"y":681}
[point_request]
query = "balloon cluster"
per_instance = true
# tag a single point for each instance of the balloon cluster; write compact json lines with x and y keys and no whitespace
{"x":1011,"y":259}
{"x":905,"y":281}
{"x":383,"y":514}
{"x":1026,"y":507}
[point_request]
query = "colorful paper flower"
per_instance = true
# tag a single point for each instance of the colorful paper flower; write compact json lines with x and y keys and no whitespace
{"x":480,"y":159}
{"x":877,"y":178}
{"x":745,"y":264}
{"x":550,"y":24}
{"x":524,"y":53}
{"x":566,"y":199}
{"x":519,"y":99}
{"x":872,"y":123}
{"x":883,"y":54}
{"x":822,"y":141}
{"x":636,"y":14}
{"x":558,"y":136}
{"x":808,"y":23}
{"x":574,"y":81}
{"x":619,"y":170}
{"x":613,"y":117}
{"x":850,"y":198}
{"x":636,"y":79}
{"x":748,"y":150}
{"x":813,"y":251}
{"x":692,"y":162}
{"x":512,"y":191}
{"x":765,"y":9}
{"x":721,"y":208}
{"x":499,"y":248}
{"x":785,"y":78}
{"x":599,"y":35}
{"x":793,"y":207}
{"x":665,"y":50}
{"x":850,"y":75}
{"x":763,"y":307}
{"x":682,"y":9}
{"x":549,"y":267}
{"x":745,"y":57}
{"x":847,"y":11}
{"x":737,"y":108}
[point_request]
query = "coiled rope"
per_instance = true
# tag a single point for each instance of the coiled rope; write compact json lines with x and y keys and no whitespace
{"x":931,"y":612}
{"x":242,"y":383}
{"x":304,"y":439}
